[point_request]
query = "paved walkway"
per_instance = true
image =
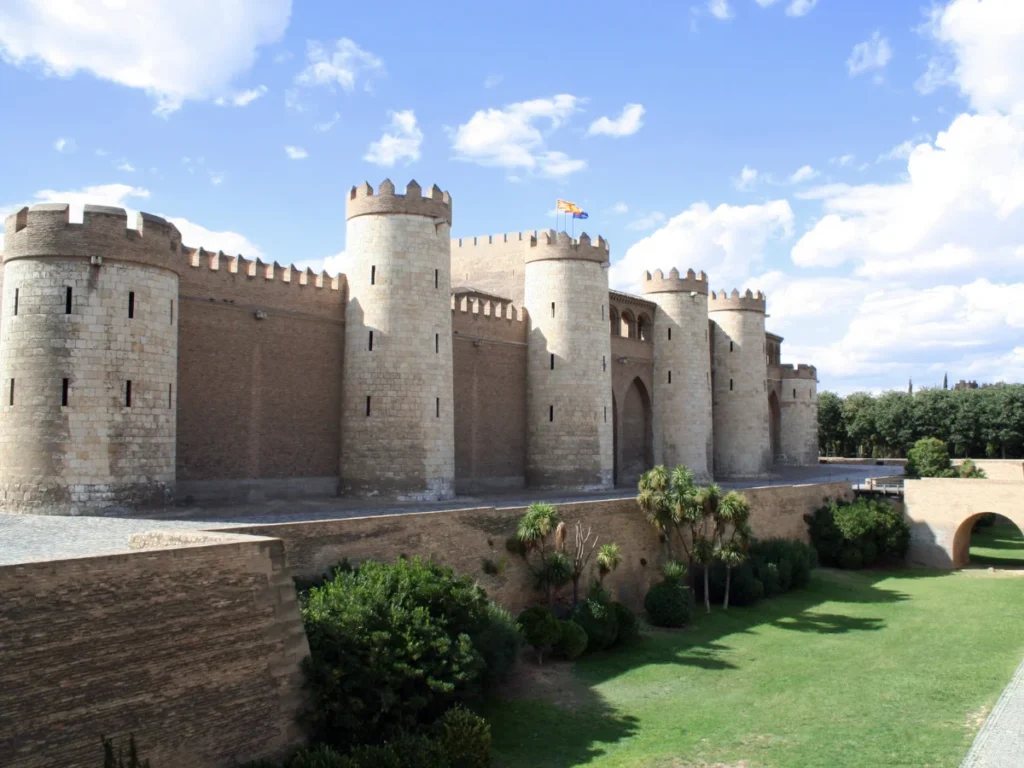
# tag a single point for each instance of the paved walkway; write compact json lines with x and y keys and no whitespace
{"x":30,"y":538}
{"x":1000,"y":742}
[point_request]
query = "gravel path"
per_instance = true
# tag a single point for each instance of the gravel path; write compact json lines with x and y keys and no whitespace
{"x":1000,"y":742}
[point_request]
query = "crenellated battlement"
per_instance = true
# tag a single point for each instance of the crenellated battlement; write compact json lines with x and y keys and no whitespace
{"x":722,"y":301}
{"x":487,"y":307}
{"x":692,"y":282}
{"x":46,"y":230}
{"x":801,"y":371}
{"x":200,"y":258}
{"x":434,"y":204}
{"x":548,"y":245}
{"x":500,"y":239}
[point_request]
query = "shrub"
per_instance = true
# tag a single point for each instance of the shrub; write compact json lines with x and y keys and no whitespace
{"x":540,"y":628}
{"x":768,"y":573}
{"x":464,"y":739}
{"x":745,"y":588}
{"x":674,"y":572}
{"x":599,"y":621}
{"x":390,"y":649}
{"x":928,"y":458}
{"x":968,"y":469}
{"x":793,"y":561}
{"x":855,"y":535}
{"x":572,"y":640}
{"x":628,"y":623}
{"x":668,"y":604}
{"x":498,"y":644}
{"x":321,"y":757}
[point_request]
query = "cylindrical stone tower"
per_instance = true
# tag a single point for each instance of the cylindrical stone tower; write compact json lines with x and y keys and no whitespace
{"x":88,"y":361}
{"x":398,"y":427}
{"x":569,"y":382}
{"x":798,"y":408}
{"x":682,"y":371}
{"x":739,"y":385}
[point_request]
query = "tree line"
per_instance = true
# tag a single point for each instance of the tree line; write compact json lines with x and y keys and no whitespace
{"x":987,"y":422}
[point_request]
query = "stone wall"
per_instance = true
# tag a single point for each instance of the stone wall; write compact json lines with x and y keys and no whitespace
{"x":492,"y":263}
{"x":490,"y":400}
{"x":798,"y":423}
{"x":999,"y":470}
{"x":195,"y":650}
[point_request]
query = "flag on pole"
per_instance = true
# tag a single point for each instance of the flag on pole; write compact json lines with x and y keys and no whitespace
{"x":580,"y":215}
{"x":565,"y":205}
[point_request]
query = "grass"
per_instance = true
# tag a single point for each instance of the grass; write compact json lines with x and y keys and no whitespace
{"x":860,"y":670}
{"x":1000,"y":545}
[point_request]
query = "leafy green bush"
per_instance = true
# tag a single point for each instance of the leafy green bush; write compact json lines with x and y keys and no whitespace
{"x":628,"y":623}
{"x":928,"y":458}
{"x":854,"y":535}
{"x":793,"y":561}
{"x":668,"y":604}
{"x":572,"y":640}
{"x":540,"y":628}
{"x":498,"y":644}
{"x":321,"y":757}
{"x":464,"y":739}
{"x":969,"y":470}
{"x":745,"y":588}
{"x":599,"y":621}
{"x":674,"y":572}
{"x":390,"y":649}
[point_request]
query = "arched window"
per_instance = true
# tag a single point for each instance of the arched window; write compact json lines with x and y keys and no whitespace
{"x":628,"y":324}
{"x":643,"y":327}
{"x":614,"y":321}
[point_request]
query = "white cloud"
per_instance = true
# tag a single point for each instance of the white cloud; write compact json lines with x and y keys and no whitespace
{"x":747,"y":178}
{"x":325,"y":126}
{"x":232,"y":243}
{"x":511,"y":137}
{"x":492,"y":81}
{"x":620,"y":208}
{"x":650,"y":221}
{"x":720,"y":9}
{"x":984,"y":42}
{"x":626,"y":124}
{"x":727,"y":241}
{"x":242,"y":98}
{"x":401,"y":141}
{"x":296,"y":153}
{"x":803,"y":173}
{"x":65,"y":145}
{"x":766,"y":3}
{"x":216,"y":178}
{"x":842,"y":161}
{"x":143,"y":48}
{"x":126,"y":167}
{"x":903,"y":150}
{"x":332,"y":265}
{"x":800,"y":7}
{"x":101,"y":153}
{"x":342,"y":64}
{"x":874,"y":53}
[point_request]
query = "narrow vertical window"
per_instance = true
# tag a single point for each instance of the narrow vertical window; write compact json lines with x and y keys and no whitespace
{"x":552,"y":309}
{"x":370,"y":347}
{"x":64,"y":393}
{"x":730,"y":346}
{"x":437,"y":407}
{"x":552,"y":361}
{"x":602,"y":311}
{"x":670,"y":334}
{"x":373,"y":274}
{"x":172,"y":312}
{"x":670,"y":377}
{"x":11,"y":396}
{"x":606,"y":414}
{"x":170,"y":395}
{"x":437,"y":343}
{"x":794,"y":394}
{"x":604,"y":363}
{"x":437,"y":277}
{"x":16,"y":301}
{"x":551,"y":408}
{"x":131,"y":304}
{"x":730,"y":385}
{"x":367,"y":405}
{"x":67,"y":300}
{"x":128,"y":394}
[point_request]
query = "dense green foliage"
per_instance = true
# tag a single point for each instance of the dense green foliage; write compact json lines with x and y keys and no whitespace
{"x":857,"y":534}
{"x":498,"y":643}
{"x":627,"y":622}
{"x":392,"y":648}
{"x":572,"y":640}
{"x":119,"y":759}
{"x":540,"y":628}
{"x":464,"y":738}
{"x":772,"y":567}
{"x":930,"y":458}
{"x":668,"y":604}
{"x":980,"y":423}
{"x":599,"y":620}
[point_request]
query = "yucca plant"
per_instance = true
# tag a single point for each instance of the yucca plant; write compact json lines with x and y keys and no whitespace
{"x":608,"y":559}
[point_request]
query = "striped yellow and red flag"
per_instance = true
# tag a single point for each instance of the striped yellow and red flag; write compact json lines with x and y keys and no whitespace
{"x":565,"y":205}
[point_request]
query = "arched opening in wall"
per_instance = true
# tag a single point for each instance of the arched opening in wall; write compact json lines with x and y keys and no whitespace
{"x":643,"y":327}
{"x":775,"y":425}
{"x":988,"y":540}
{"x":628,"y":328}
{"x":614,"y":321}
{"x":635,"y":453}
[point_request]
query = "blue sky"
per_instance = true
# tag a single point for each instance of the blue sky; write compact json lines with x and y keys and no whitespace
{"x":861,"y":162}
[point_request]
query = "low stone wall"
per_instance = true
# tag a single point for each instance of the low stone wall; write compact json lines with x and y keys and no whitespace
{"x":195,"y":650}
{"x":863,"y":462}
{"x":1000,"y":470}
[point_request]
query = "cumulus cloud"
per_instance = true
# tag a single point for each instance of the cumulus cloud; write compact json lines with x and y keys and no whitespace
{"x":342,"y":64}
{"x":650,"y":221}
{"x":400,"y":143}
{"x":296,"y":153}
{"x":874,"y":53}
{"x":511,"y":137}
{"x":626,"y":124}
{"x":142,"y":47}
{"x":332,"y":265}
{"x":728,"y":242}
{"x":720,"y":9}
{"x":125,"y":166}
{"x":800,"y":7}
{"x":801,"y":174}
{"x":242,"y":98}
{"x":747,"y":178}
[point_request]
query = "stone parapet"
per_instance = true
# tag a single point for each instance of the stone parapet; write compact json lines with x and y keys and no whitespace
{"x":434,"y":205}
{"x":721,"y":301}
{"x":800,"y":371}
{"x":549,"y":245}
{"x":692,"y":282}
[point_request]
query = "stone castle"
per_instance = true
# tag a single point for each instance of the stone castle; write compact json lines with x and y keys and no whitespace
{"x":138,"y":371}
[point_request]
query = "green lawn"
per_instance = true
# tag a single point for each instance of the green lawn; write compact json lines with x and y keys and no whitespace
{"x":1000,"y":545}
{"x":864,"y":669}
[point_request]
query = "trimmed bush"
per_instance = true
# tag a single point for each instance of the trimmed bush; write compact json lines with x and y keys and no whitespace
{"x":572,"y":640}
{"x":540,"y":628}
{"x":599,"y":621}
{"x":668,"y":604}
{"x":498,"y":644}
{"x":628,"y":623}
{"x":391,"y":649}
{"x":855,"y":535}
{"x":744,"y":586}
{"x":321,"y":757}
{"x":464,"y":739}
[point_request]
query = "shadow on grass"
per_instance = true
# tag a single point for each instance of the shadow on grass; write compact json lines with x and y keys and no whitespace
{"x":579,"y":725}
{"x":999,"y":546}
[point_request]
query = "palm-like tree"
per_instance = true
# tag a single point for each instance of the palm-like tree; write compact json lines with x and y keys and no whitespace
{"x":732,"y":532}
{"x":702,"y":532}
{"x":539,"y":522}
{"x":608,"y":559}
{"x":655,"y":500}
